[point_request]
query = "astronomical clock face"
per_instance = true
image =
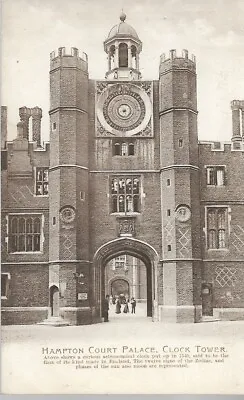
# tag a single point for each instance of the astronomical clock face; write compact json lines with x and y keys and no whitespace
{"x":123,"y":109}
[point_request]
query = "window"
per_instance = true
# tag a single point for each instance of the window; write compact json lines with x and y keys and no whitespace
{"x":123,"y":55}
{"x":168,"y":212}
{"x":180,"y":142}
{"x":216,"y":175}
{"x":24,"y":233}
{"x":123,"y":149}
{"x":5,"y":277}
{"x":82,"y":196}
{"x":119,"y":262}
{"x":125,"y":194}
{"x":217,"y":228}
{"x":168,"y":182}
{"x":4,"y":160}
{"x":54,"y":125}
{"x":41,"y":181}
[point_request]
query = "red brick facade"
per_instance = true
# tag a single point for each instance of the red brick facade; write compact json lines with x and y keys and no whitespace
{"x":187,"y":225}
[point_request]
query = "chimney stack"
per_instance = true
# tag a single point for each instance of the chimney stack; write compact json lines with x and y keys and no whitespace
{"x":36,"y":114}
{"x":4,"y":126}
{"x":25,"y":114}
{"x":236,"y":121}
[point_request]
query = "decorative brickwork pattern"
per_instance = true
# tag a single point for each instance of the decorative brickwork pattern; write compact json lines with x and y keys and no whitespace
{"x":238,"y":239}
{"x":184,"y":242}
{"x":225,"y":276}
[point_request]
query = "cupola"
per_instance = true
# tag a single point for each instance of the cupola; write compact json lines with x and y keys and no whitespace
{"x":123,"y":47}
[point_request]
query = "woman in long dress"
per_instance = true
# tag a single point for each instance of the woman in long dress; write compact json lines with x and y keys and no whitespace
{"x":126,"y":307}
{"x":118,"y":307}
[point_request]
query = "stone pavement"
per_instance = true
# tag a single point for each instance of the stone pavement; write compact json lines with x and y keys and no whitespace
{"x":24,"y":347}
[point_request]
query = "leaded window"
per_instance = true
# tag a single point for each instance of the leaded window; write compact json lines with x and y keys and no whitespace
{"x":24,"y":233}
{"x":41,"y":188}
{"x":125,"y":194}
{"x":217,"y":227}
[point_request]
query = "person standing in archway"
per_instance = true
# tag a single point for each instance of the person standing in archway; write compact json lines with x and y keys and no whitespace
{"x":106,"y":308}
{"x":133,"y":305}
{"x":118,"y":306}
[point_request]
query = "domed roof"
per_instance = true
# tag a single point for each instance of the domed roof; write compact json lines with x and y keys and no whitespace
{"x":122,"y":29}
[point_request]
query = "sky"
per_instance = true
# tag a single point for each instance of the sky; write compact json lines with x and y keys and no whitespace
{"x":212,"y":30}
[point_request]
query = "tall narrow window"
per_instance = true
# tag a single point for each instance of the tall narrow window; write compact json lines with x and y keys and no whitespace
{"x":131,"y":150}
{"x":123,"y":55}
{"x":5,"y":278}
{"x":117,"y":150}
{"x":217,"y":227}
{"x":125,"y":194}
{"x":24,"y":233}
{"x":41,"y":181}
{"x":124,"y":149}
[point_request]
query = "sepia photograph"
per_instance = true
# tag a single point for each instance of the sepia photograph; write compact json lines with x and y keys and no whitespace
{"x":122,"y":197}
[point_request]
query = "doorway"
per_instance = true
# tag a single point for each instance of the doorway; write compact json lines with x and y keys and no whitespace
{"x":126,"y":277}
{"x":118,"y":249}
{"x":207,"y":299}
{"x":120,"y":286}
{"x":54,"y":301}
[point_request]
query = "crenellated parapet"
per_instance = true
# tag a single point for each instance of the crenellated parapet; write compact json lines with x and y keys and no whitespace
{"x":175,"y":61}
{"x":69,"y":59}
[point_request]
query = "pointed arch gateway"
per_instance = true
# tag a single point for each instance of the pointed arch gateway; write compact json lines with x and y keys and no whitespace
{"x":135,"y":248}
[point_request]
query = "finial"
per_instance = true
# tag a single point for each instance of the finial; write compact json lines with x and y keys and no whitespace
{"x":122,"y":16}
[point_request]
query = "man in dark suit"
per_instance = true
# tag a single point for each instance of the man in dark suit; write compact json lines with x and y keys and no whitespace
{"x":106,"y":308}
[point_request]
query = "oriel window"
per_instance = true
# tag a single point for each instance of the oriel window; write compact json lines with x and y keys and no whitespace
{"x":125,"y":194}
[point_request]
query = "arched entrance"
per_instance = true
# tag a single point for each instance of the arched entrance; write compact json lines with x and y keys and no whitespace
{"x":54,"y":301}
{"x":136,"y":248}
{"x":119,"y":286}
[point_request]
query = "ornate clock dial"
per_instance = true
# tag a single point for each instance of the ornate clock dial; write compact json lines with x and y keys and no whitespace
{"x":124,"y":109}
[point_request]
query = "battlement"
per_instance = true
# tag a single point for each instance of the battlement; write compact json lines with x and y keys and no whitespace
{"x":68,"y":58}
{"x":237,"y":104}
{"x":174,"y":60}
{"x":173,"y":54}
{"x":73,"y":52}
{"x":224,"y":147}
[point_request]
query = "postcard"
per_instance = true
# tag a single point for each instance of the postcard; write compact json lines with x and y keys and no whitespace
{"x":122,"y":150}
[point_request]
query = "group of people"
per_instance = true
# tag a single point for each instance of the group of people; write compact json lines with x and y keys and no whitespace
{"x":119,"y":302}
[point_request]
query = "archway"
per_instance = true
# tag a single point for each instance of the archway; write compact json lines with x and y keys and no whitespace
{"x":54,"y":301}
{"x":135,"y":248}
{"x":119,"y":286}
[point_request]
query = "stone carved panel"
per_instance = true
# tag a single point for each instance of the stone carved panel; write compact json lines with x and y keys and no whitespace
{"x":126,"y":226}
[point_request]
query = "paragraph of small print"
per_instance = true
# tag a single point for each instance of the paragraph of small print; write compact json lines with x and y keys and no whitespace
{"x":135,"y":358}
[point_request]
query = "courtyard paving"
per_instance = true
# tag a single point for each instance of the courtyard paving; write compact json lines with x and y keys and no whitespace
{"x":24,"y":348}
